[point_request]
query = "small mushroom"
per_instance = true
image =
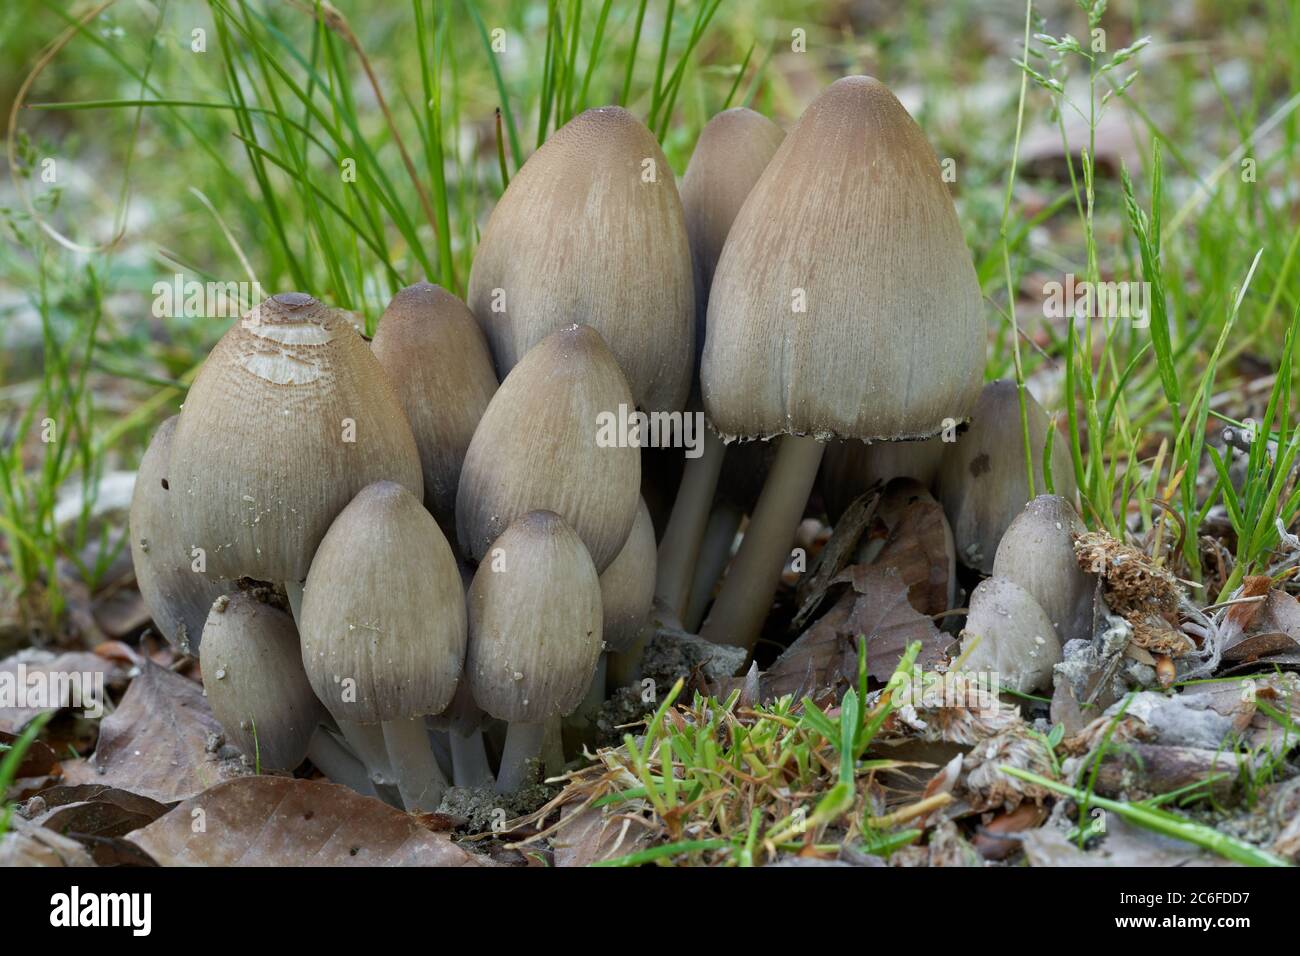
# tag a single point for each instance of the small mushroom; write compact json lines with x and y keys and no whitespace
{"x":1017,"y":643}
{"x":177,"y":596}
{"x":253,"y":677}
{"x":983,"y":482}
{"x":1037,"y":552}
{"x":384,"y":628}
{"x":851,"y":467}
{"x":845,"y":305}
{"x":535,"y":634}
{"x":290,"y":416}
{"x":627,"y":585}
{"x":590,"y":230}
{"x":540,"y":447}
{"x":626,"y":595}
{"x":436,"y":357}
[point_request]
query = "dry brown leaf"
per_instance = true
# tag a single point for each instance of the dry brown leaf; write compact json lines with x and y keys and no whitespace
{"x":918,"y":545}
{"x":590,"y":835}
{"x":1263,"y":628}
{"x":156,"y":744}
{"x":884,"y":615}
{"x":282,"y":821}
{"x":27,"y":844}
{"x":50,"y":670}
{"x":92,"y":810}
{"x":825,"y":656}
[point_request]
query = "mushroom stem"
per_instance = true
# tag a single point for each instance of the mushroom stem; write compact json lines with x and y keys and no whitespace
{"x":624,"y":669}
{"x":469,"y":761}
{"x":552,"y":758}
{"x":715,"y":552}
{"x":585,"y":717}
{"x":520,"y":757}
{"x":333,"y":759}
{"x":367,"y":742}
{"x":419,"y":778}
{"x":680,"y":548}
{"x":746,"y":596}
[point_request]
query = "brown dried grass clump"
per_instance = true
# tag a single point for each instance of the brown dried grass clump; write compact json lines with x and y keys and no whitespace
{"x":1143,"y":593}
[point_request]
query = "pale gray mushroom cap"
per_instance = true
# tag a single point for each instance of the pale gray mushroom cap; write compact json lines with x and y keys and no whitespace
{"x":982,"y":479}
{"x":254,"y":681}
{"x":288,"y":419}
{"x":845,"y":303}
{"x":1037,"y":552}
{"x":733,"y":150}
{"x":535,"y":622}
{"x":627,"y":587}
{"x":177,"y":596}
{"x":540,"y":447}
{"x":851,"y":467}
{"x":436,"y":357}
{"x":383,"y":613}
{"x":1017,"y":640}
{"x":590,"y":230}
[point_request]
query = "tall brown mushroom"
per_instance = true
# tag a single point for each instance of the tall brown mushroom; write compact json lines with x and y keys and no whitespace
{"x":590,"y":230}
{"x":539,"y":447}
{"x":845,"y":304}
{"x":290,"y":416}
{"x":733,"y":150}
{"x":436,"y":357}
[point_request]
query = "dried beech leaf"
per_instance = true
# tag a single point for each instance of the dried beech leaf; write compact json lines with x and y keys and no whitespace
{"x":34,"y":666}
{"x":39,"y":760}
{"x":156,"y":743}
{"x":27,"y":844}
{"x":92,"y":810}
{"x":919,"y":549}
{"x":825,"y":656}
{"x":1263,"y":628}
{"x":884,"y":615}
{"x":282,"y":821}
{"x":589,"y":835}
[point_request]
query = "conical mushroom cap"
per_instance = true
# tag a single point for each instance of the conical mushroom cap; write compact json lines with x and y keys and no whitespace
{"x":288,"y":419}
{"x":845,"y":302}
{"x":535,"y":622}
{"x":627,"y":587}
{"x":177,"y":596}
{"x":539,"y":447}
{"x":849,"y":468}
{"x":982,"y":479}
{"x":253,"y":678}
{"x":590,"y":231}
{"x":436,"y":357}
{"x":383,"y":613}
{"x":1037,"y":552}
{"x":733,"y":150}
{"x":1017,"y":641}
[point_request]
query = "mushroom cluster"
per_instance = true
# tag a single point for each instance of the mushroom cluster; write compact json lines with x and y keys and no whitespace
{"x":410,"y":559}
